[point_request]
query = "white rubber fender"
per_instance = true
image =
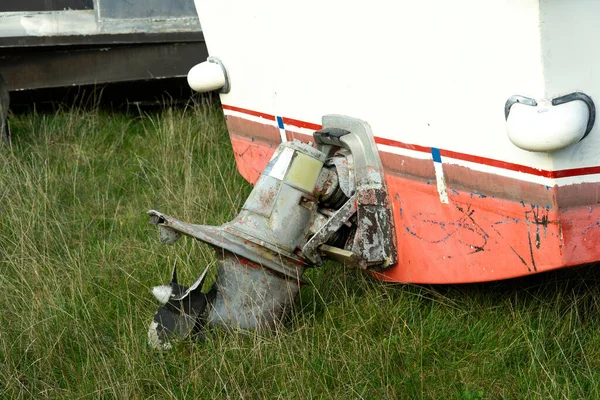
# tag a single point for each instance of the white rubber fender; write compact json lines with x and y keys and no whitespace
{"x":208,"y":76}
{"x":546,"y":127}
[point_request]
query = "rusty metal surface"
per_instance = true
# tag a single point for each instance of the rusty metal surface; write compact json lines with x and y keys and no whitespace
{"x":375,"y":239}
{"x":285,"y":227}
{"x":181,"y":311}
{"x":328,"y":231}
{"x":308,"y":203}
{"x":249,"y":296}
{"x":245,"y":296}
{"x":219,"y":237}
{"x":341,"y":162}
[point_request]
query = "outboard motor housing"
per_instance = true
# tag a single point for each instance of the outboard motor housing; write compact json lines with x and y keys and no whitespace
{"x":309,"y":203}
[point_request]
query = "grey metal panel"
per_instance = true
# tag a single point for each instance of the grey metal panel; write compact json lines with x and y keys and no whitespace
{"x":67,"y":66}
{"x":146,"y":8}
{"x":45,"y":5}
{"x":100,"y":39}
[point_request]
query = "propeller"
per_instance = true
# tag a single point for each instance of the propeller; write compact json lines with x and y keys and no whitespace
{"x":180,"y":311}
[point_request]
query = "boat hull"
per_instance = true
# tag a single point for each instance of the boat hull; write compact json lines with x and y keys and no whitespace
{"x":468,"y":204}
{"x":480,"y":235}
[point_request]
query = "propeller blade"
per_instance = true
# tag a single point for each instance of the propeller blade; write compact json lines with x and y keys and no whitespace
{"x":196,"y":286}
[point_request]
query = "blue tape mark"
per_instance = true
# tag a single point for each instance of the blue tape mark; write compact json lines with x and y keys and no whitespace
{"x":436,"y":155}
{"x":279,"y":122}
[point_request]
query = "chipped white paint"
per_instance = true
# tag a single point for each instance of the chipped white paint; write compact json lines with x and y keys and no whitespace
{"x":281,"y":165}
{"x":153,"y":339}
{"x":282,"y":135}
{"x":162,"y":293}
{"x":441,"y":182}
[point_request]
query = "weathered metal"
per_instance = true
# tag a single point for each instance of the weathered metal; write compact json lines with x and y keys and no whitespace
{"x":47,"y":44}
{"x":45,"y":5}
{"x":375,"y":241}
{"x":180,"y":312}
{"x":328,"y":230}
{"x":99,"y":63}
{"x":308,"y":203}
{"x":249,"y":296}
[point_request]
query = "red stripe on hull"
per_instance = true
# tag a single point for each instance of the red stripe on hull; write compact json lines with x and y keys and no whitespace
{"x":395,"y":143}
{"x":496,"y":163}
{"x":301,"y":124}
{"x":286,"y":121}
{"x":249,"y":112}
{"x":565,"y":173}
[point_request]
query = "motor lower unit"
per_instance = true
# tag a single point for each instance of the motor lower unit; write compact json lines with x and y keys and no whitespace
{"x":310,"y":203}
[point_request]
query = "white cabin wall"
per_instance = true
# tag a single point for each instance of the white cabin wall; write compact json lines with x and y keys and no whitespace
{"x":429,"y":72}
{"x":570,"y":31}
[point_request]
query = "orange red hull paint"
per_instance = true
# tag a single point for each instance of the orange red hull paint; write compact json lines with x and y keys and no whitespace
{"x":504,"y":228}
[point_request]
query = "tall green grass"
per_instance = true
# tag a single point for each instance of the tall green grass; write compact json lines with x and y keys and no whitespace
{"x":78,"y":259}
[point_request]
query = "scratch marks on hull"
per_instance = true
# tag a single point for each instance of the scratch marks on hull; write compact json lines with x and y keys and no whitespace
{"x":473,"y":230}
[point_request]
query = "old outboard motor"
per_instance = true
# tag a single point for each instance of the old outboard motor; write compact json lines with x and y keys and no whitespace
{"x":309,"y":203}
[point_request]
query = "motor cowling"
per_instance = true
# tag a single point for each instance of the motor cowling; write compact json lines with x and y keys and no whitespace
{"x":310,"y":203}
